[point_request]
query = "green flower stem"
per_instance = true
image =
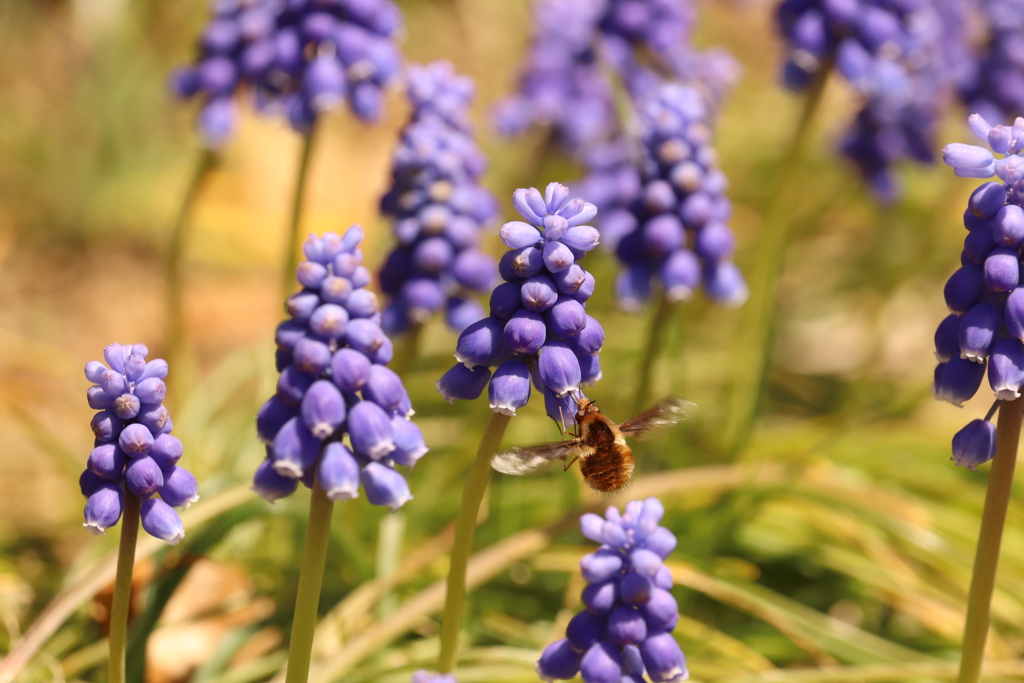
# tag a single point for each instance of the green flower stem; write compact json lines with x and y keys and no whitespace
{"x":311,"y":577}
{"x":407,"y":349}
{"x":986,"y":559}
{"x":465,"y":527}
{"x":174,"y":265}
{"x":755,"y":335}
{"x":295,"y":220}
{"x":123,"y":587}
{"x":655,"y":336}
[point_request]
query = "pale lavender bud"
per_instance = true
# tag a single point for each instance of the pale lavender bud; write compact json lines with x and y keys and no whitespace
{"x":127,"y":406}
{"x":530,"y":205}
{"x":99,"y":399}
{"x":509,"y":388}
{"x":369,"y":429}
{"x":322,"y":409}
{"x":1014,"y":313}
{"x":94,"y":369}
{"x":462,"y":383}
{"x":338,"y":472}
{"x":160,"y":520}
{"x":581,"y":238}
{"x":557,"y":256}
{"x":969,"y":158}
{"x":113,"y":383}
{"x":154,"y":368}
{"x":384,"y":486}
{"x":601,"y":565}
{"x":155,"y":418}
{"x":335,"y":290}
{"x":516,"y":235}
{"x":103,"y":508}
{"x":362,"y":303}
{"x":152,"y":390}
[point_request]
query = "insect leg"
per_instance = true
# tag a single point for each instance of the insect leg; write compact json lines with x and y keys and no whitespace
{"x":569,"y":464}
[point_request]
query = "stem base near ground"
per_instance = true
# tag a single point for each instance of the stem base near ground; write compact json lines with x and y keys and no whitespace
{"x":465,"y":528}
{"x":121,"y":602}
{"x":986,"y":559}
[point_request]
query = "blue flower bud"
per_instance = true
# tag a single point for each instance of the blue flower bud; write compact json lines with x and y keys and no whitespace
{"x":724,"y":283}
{"x":530,"y":204}
{"x":271,"y":417}
{"x":480,"y":343}
{"x":589,"y":340}
{"x":968,"y":157}
{"x":323,"y":83}
{"x":566,"y":318}
{"x":569,"y":281}
{"x":1006,"y":369}
{"x":475,"y":270}
{"x":126,"y":406}
{"x":409,"y":443}
{"x":974,"y":444}
{"x":714,"y":241}
{"x":113,"y":383}
{"x":509,"y":388}
{"x":635,"y":589}
{"x":322,"y":409}
{"x":978,"y":331}
{"x":1008,"y":226}
{"x":151,"y":390}
{"x":644,"y":561}
{"x":516,"y":235}
{"x":364,"y":335}
{"x":561,"y":409}
{"x":590,"y":368}
{"x":601,"y":565}
{"x":538,"y":293}
{"x":369,"y":429}
{"x":384,"y":486}
{"x":180,"y":488}
{"x":581,"y":238}
{"x":463,"y":384}
{"x":288,"y":334}
{"x":664,"y":660}
{"x":506,"y":300}
{"x":350,"y":370}
{"x":586,"y":289}
{"x":103,"y":508}
{"x":600,"y":598}
{"x":160,"y":520}
{"x":335,"y":290}
{"x":661,"y":610}
{"x":292,"y":385}
{"x":601,"y":664}
{"x":311,"y":356}
{"x":557,"y":256}
{"x":135,"y":440}
{"x":559,"y":662}
{"x":957,"y":381}
{"x":362,"y":303}
{"x":987,"y":200}
{"x":301,"y":305}
{"x":107,"y":461}
{"x":663,"y":234}
{"x":329,"y":321}
{"x":520,"y":264}
{"x":89,"y":482}
{"x":384,"y":388}
{"x":979,"y":243}
{"x":166,"y":451}
{"x":632,"y":287}
{"x":295,"y":449}
{"x":1002,"y":270}
{"x":143,"y":476}
{"x":964,"y":288}
{"x":155,"y":418}
{"x":584,"y":630}
{"x":626,"y":626}
{"x":1014,"y":313}
{"x":338,"y":472}
{"x":115,"y":355}
{"x":661,"y":541}
{"x":270,"y":485}
{"x":558,"y":368}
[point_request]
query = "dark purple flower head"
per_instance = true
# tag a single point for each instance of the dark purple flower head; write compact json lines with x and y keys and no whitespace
{"x":134,"y":449}
{"x":992,"y":84}
{"x":297,"y":58}
{"x":985,"y":328}
{"x":625,"y":631}
{"x":438,"y":207}
{"x":538,"y":331}
{"x":335,"y":383}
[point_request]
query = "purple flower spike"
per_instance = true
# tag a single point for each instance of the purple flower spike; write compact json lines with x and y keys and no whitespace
{"x":625,"y":627}
{"x":334,"y":383}
{"x":134,"y":449}
{"x":160,"y":520}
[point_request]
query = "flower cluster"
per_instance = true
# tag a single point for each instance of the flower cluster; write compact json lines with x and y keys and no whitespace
{"x":986,"y":302}
{"x":134,"y":450}
{"x":438,"y":207}
{"x":625,"y":632}
{"x":538,"y":323}
{"x":332,"y":356}
{"x":669,"y":221}
{"x":423,"y":676}
{"x":994,"y":84}
{"x":301,"y":57}
{"x":904,"y":59}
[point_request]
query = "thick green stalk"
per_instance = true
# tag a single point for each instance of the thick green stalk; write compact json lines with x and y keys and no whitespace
{"x":174,"y":265}
{"x":756,"y":328}
{"x":295,"y":217}
{"x":986,"y":559}
{"x":311,"y":577}
{"x":655,"y":334}
{"x":123,"y":587}
{"x":465,"y":527}
{"x":407,"y":349}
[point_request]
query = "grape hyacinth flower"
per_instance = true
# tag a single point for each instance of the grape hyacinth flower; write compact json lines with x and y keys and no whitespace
{"x":673,"y":227}
{"x":299,"y":58}
{"x":134,"y":451}
{"x":538,"y":327}
{"x":423,"y":676}
{"x":625,"y":632}
{"x":334,"y":382}
{"x":993,"y":85}
{"x":438,"y":208}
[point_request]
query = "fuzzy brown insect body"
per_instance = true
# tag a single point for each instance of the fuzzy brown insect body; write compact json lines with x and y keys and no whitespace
{"x":606,"y":460}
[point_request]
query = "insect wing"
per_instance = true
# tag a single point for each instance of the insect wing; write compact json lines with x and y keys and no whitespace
{"x":520,"y":461}
{"x":657,"y":418}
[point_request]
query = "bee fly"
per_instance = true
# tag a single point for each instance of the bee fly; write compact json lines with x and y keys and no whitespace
{"x":606,"y":461}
